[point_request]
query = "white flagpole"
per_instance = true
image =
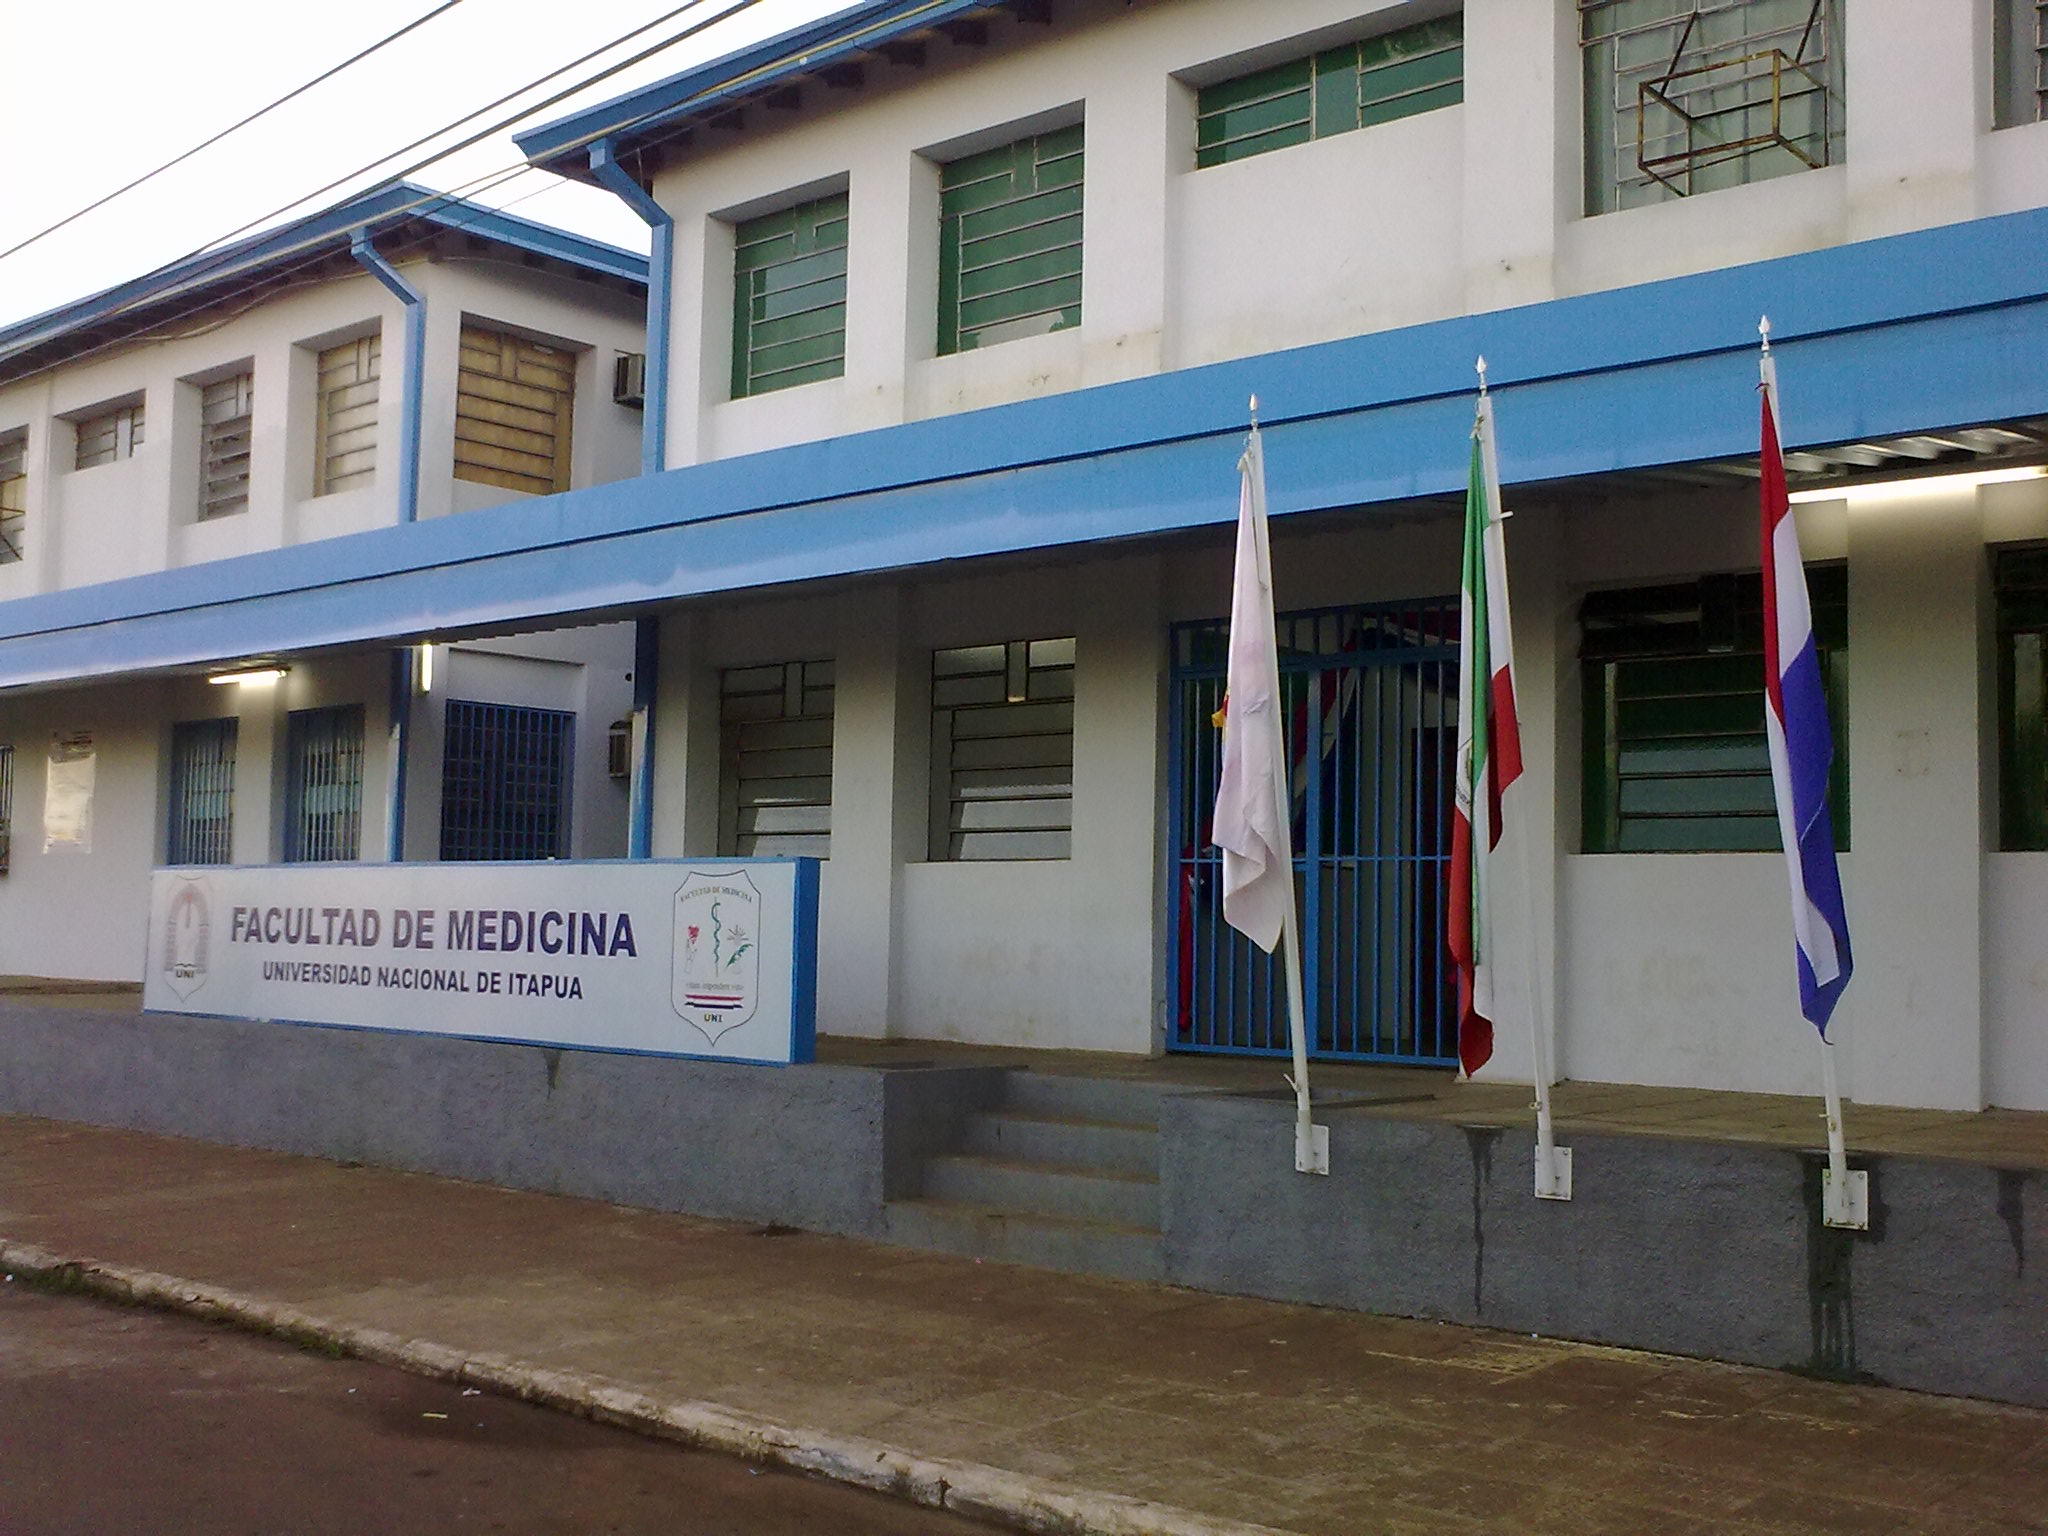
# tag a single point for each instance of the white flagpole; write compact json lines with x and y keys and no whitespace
{"x":1553,"y":1163}
{"x":1311,"y":1141}
{"x":1845,"y":1196}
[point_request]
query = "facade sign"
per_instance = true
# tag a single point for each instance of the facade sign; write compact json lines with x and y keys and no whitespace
{"x":676,"y":958}
{"x":68,"y":793}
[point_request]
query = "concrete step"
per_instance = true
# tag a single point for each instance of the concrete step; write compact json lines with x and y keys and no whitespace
{"x":1130,"y":1200}
{"x":1094,"y":1145}
{"x":1043,"y":1242}
{"x":1082,"y":1098}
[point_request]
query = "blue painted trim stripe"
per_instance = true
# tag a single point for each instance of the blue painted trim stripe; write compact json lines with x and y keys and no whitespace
{"x":1942,"y":328}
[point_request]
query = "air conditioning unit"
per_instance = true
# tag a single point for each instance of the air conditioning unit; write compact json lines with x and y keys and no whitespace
{"x":629,"y":379}
{"x":618,"y":756}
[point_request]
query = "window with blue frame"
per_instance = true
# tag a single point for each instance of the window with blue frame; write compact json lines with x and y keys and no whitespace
{"x":202,"y":802}
{"x":324,"y":785}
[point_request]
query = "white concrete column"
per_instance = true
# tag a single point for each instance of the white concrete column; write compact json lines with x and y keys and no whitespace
{"x":437,"y":395}
{"x":880,"y":743}
{"x":270,"y":445}
{"x":1915,"y":76}
{"x":1115,"y":978}
{"x":1522,"y":135}
{"x":1140,"y":137}
{"x":42,"y":525}
{"x":685,"y":742}
{"x":1910,"y":1030}
{"x":259,"y":775}
{"x":700,"y":329}
{"x":891,"y":254}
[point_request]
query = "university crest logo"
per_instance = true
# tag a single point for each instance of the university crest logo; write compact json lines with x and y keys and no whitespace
{"x":188,"y":930}
{"x":717,"y":976}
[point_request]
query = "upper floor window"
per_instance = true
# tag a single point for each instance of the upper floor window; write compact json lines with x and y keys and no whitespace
{"x":2019,"y":45}
{"x":1010,"y":241}
{"x":109,"y":434}
{"x":13,"y":493}
{"x":345,"y":453}
{"x":775,"y":746}
{"x":1003,"y":751}
{"x":226,"y":409}
{"x":789,"y":297}
{"x":1676,"y":760}
{"x":514,"y":404}
{"x":1686,"y":96}
{"x":1396,"y":74}
{"x":2020,"y":580}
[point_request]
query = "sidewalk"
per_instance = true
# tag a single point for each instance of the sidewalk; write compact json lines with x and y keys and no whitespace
{"x":1238,"y":1411}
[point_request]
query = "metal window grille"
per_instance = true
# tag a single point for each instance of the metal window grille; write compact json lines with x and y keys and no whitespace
{"x":1675,"y":754}
{"x":1687,"y":96}
{"x":2020,"y":61}
{"x":6,"y":807}
{"x":1368,"y":706}
{"x":514,"y":400}
{"x":1010,"y":242}
{"x":225,"y":427}
{"x":13,"y":494}
{"x":112,"y":434}
{"x":1003,"y":751}
{"x":1376,"y":80}
{"x":789,"y":298}
{"x":505,"y":781}
{"x":775,"y":744}
{"x":345,"y":454}
{"x":324,"y":787}
{"x":202,"y":808}
{"x":2020,"y":582}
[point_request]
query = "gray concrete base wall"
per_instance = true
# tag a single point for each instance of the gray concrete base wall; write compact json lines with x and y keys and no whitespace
{"x":1698,"y":1248}
{"x":810,"y":1147}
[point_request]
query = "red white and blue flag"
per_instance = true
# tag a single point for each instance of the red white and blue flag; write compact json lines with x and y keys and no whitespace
{"x":1802,"y":746}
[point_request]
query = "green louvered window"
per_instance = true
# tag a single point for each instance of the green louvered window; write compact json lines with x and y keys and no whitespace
{"x":789,"y":297}
{"x":2020,"y":578}
{"x":1396,"y":74}
{"x":1010,"y":242}
{"x":1673,"y":678}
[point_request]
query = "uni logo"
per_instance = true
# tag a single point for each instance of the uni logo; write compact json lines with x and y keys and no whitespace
{"x":188,"y":932}
{"x":716,"y":981}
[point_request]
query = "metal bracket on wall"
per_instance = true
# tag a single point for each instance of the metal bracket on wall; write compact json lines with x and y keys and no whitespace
{"x":1846,"y":1204}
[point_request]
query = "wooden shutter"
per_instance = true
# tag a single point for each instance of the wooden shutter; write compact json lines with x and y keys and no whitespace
{"x":345,"y":456}
{"x":513,"y":405}
{"x":111,"y":435}
{"x":225,"y":419}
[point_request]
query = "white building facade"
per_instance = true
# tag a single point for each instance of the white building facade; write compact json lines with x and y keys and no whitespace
{"x":959,"y":307}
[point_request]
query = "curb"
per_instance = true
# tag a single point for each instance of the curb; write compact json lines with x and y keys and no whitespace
{"x":958,"y":1487}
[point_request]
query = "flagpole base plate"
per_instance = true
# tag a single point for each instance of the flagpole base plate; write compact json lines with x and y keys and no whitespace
{"x":1847,"y":1205}
{"x":1554,"y":1174}
{"x":1312,"y":1152}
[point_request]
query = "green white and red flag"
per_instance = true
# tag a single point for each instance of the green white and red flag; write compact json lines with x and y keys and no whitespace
{"x":1489,"y":744}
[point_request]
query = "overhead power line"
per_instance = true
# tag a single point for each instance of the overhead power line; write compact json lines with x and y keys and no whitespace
{"x":177,"y":160}
{"x":222,"y":259}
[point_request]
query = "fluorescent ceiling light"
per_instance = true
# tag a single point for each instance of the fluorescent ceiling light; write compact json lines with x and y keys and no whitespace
{"x":248,"y":677}
{"x":1919,"y":485}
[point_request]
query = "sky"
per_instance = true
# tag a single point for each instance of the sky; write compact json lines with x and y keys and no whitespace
{"x":82,"y":115}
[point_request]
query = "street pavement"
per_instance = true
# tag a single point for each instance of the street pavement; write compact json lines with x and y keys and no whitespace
{"x":114,"y":1419}
{"x":1288,"y":1417}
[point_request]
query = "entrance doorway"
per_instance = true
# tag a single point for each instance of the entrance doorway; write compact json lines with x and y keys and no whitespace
{"x":1370,"y":696}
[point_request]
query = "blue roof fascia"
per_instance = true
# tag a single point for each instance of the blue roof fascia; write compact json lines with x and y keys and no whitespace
{"x":1939,"y":328}
{"x":559,"y":145}
{"x":399,"y":201}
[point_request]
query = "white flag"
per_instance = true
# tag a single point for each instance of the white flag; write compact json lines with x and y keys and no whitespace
{"x":1251,"y":820}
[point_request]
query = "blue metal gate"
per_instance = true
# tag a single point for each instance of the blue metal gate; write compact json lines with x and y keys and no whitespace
{"x":1371,"y":709}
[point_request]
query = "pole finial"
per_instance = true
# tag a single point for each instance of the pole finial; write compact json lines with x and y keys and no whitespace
{"x":1480,"y":366}
{"x":1763,"y":329}
{"x":1255,"y":410}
